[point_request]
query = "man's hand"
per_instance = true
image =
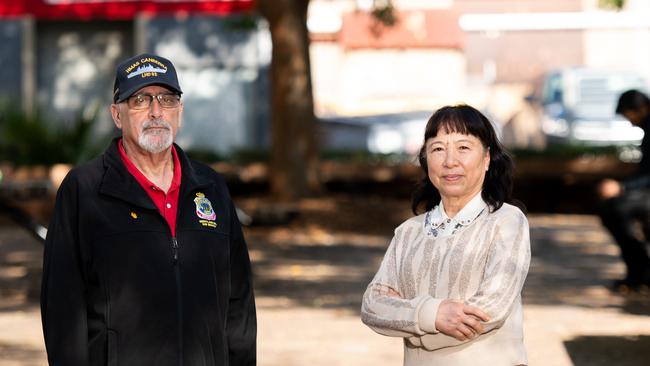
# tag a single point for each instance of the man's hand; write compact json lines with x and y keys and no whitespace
{"x":460,"y":321}
{"x":609,"y":188}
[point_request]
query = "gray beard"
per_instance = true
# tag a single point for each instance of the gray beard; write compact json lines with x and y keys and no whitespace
{"x":155,"y":141}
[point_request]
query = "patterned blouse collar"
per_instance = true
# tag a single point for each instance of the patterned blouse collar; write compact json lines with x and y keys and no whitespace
{"x":437,"y":223}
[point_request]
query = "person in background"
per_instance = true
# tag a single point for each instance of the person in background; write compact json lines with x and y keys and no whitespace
{"x":627,"y":202}
{"x":450,"y":282}
{"x":145,"y":262}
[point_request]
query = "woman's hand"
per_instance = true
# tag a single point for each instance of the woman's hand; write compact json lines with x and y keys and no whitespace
{"x":459,"y":320}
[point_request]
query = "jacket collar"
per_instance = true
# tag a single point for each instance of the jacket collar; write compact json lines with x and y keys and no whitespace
{"x":119,"y":183}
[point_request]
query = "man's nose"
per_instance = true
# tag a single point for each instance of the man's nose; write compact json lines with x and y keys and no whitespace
{"x":155,"y":109}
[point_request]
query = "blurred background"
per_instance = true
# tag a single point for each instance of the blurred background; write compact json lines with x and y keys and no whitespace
{"x":333,"y":96}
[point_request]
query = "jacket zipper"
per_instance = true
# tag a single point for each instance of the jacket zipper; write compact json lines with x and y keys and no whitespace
{"x":179,"y":289}
{"x":179,"y":301}
{"x":175,"y":249}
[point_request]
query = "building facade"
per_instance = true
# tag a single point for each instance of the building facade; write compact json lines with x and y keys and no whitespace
{"x":489,"y":53}
{"x":60,"y":56}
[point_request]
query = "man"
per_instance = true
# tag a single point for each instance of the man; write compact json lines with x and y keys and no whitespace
{"x":145,"y":262}
{"x":628,"y":202}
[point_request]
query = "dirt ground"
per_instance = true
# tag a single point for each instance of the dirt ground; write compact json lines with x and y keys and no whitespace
{"x":311,"y":273}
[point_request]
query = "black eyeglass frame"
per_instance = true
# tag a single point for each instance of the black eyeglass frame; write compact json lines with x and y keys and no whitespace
{"x":166,"y":100}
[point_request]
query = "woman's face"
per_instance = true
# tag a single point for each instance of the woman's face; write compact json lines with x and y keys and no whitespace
{"x":456,"y":165}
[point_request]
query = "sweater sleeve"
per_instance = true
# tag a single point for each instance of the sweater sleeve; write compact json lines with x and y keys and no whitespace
{"x":505,"y":272}
{"x":384,"y":309}
{"x":242,"y":322}
{"x":63,"y":305}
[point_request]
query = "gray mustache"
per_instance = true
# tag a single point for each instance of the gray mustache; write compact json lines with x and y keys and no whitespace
{"x":156,"y":124}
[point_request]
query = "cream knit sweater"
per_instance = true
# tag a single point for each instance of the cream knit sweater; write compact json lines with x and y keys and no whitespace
{"x":483,"y":263}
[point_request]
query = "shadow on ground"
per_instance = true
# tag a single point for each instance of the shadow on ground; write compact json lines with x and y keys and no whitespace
{"x":330,"y":276}
{"x":574,"y":263}
{"x":20,"y":355}
{"x":20,"y":267}
{"x":608,"y":350}
{"x":327,"y":257}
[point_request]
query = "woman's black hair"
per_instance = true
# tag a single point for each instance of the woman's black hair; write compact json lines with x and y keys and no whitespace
{"x":497,"y":186}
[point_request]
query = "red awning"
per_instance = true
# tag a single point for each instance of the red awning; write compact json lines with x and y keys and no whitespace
{"x":116,"y":9}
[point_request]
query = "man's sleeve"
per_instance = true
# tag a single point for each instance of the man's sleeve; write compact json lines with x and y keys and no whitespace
{"x":242,"y":322}
{"x":638,"y":182}
{"x":63,"y":305}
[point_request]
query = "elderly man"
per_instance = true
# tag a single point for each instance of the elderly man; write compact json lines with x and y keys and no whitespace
{"x":145,"y":262}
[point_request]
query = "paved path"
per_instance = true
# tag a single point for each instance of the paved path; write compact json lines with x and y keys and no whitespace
{"x":310,"y":278}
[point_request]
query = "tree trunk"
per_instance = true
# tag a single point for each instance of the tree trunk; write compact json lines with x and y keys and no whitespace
{"x":294,"y":152}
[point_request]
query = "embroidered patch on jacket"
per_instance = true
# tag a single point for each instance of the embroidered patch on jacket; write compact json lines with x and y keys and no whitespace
{"x":204,"y":210}
{"x":134,"y":215}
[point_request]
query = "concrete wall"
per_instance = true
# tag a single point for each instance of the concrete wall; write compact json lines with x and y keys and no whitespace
{"x":222,"y":63}
{"x":372,"y":81}
{"x":625,"y":49}
{"x":75,"y":67}
{"x":222,"y":67}
{"x":521,"y":56}
{"x":11,"y":38}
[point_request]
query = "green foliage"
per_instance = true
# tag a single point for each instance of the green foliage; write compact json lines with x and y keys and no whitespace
{"x":38,"y":140}
{"x":611,"y":4}
{"x":204,"y":155}
{"x":237,"y":156}
{"x":251,"y":155}
{"x":385,"y":13}
{"x":364,"y":156}
{"x":242,"y":23}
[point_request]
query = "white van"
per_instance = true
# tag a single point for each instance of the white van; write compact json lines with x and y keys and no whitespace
{"x":577,"y":106}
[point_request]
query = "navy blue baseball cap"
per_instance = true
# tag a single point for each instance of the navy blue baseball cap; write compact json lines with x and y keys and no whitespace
{"x":143,"y":70}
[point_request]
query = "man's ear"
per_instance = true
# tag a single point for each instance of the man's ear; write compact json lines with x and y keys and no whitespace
{"x":115,"y":114}
{"x":180,"y":116}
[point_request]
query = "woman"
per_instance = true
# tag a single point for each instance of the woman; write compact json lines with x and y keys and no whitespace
{"x":450,"y":282}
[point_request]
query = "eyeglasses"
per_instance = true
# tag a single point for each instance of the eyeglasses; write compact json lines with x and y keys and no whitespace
{"x":143,"y":101}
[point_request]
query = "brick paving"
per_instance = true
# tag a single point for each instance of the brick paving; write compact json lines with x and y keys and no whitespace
{"x":311,"y":274}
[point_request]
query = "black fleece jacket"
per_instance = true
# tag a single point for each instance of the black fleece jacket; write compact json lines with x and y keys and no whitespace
{"x":118,"y":289}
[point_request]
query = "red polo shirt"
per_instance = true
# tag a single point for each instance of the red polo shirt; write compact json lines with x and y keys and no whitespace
{"x":167,"y":203}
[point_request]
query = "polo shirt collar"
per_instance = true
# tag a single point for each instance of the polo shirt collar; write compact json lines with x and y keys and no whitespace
{"x":142,"y":179}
